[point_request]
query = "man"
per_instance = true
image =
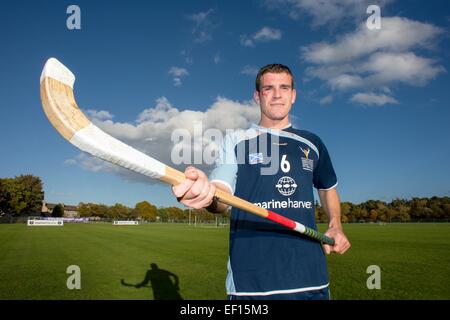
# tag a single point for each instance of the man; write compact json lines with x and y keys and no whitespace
{"x":267,"y":261}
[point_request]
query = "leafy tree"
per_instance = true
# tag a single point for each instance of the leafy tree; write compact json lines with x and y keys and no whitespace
{"x":58,"y":211}
{"x":359,"y":213}
{"x":320,"y":213}
{"x":146,"y":211}
{"x":438,"y":212}
{"x":119,"y":211}
{"x":84,"y":210}
{"x":5,"y":195}
{"x":175,"y":214}
{"x":403,"y":216}
{"x":21,"y":195}
{"x":373,"y":215}
{"x":92,"y":210}
{"x":162,"y":213}
{"x":99,"y":210}
{"x":346,"y":208}
{"x":446,"y":208}
{"x":202,"y":215}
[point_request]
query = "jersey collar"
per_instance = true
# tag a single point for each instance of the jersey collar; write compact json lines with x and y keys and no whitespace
{"x":264,"y":129}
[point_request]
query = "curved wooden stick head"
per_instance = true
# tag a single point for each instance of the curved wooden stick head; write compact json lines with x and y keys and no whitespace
{"x":58,"y":100}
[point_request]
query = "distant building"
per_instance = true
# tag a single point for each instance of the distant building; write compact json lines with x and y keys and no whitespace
{"x":70,"y":211}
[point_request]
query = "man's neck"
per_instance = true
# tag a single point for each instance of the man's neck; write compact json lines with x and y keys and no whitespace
{"x":274,"y":124}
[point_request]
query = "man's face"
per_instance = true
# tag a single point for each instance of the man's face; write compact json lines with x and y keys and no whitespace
{"x":275,"y":95}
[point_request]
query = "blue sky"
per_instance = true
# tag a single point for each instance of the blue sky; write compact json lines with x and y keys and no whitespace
{"x":378,"y":99}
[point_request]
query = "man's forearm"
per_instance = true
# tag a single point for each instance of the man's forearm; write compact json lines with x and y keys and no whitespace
{"x":332,"y":206}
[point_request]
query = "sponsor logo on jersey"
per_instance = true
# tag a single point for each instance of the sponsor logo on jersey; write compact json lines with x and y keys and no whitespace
{"x":254,"y":158}
{"x":307,"y":164}
{"x":274,"y":204}
{"x":306,"y":152}
{"x":286,"y":186}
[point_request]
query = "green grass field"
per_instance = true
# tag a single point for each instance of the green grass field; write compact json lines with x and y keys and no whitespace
{"x":414,"y":261}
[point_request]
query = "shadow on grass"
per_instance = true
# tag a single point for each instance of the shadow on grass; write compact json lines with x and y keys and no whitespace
{"x":164,"y":283}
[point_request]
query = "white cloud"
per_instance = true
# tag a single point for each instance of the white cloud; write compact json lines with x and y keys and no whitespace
{"x":396,"y":35}
{"x":162,"y":112}
{"x":186,"y":54}
{"x":203,"y":25}
{"x":250,"y":70}
{"x":386,"y":68}
{"x":386,"y":90}
{"x":151,"y":132}
{"x":376,"y":59}
{"x":99,"y":115}
{"x":177,"y":82}
{"x":200,"y":17}
{"x":70,"y":161}
{"x":246,"y":41}
{"x":373,"y":99}
{"x":345,"y":81}
{"x":266,"y":34}
{"x":323,"y":12}
{"x":379,"y":70}
{"x":177,"y":73}
{"x":217,"y":58}
{"x":94,"y":164}
{"x":326,"y":100}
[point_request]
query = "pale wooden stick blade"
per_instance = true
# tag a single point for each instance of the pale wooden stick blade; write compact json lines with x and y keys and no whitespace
{"x":58,"y":100}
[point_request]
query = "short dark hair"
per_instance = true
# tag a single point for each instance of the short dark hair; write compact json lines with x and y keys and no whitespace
{"x":273,"y":68}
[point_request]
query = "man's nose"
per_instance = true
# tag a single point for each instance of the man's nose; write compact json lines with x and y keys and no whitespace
{"x":276,"y":93}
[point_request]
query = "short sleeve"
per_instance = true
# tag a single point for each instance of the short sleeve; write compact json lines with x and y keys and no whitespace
{"x":225,"y":169}
{"x":324,"y":176}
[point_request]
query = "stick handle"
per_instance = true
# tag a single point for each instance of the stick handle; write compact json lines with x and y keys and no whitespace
{"x":319,"y":236}
{"x":175,"y":177}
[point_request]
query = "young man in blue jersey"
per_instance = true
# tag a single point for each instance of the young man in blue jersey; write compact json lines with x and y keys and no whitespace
{"x":267,"y":261}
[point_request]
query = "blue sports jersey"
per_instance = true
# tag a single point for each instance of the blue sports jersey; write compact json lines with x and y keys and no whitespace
{"x":277,"y":170}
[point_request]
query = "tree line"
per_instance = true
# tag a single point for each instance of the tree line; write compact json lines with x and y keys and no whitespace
{"x":23,"y":195}
{"x":398,"y":210}
{"x":144,"y":210}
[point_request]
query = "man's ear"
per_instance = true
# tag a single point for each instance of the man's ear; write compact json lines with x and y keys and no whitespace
{"x":256,"y":96}
{"x":294,"y":95}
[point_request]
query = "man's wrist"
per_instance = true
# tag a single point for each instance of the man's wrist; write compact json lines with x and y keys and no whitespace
{"x":213,"y":206}
{"x":335,"y":224}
